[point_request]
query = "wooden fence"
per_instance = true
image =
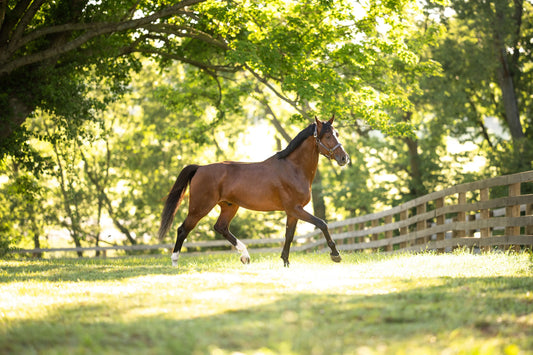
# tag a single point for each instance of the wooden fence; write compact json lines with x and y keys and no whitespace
{"x":492,"y":213}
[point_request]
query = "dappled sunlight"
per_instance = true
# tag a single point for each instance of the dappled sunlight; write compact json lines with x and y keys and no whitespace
{"x":215,"y":305}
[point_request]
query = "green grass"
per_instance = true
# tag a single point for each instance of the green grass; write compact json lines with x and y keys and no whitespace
{"x":368,"y":304}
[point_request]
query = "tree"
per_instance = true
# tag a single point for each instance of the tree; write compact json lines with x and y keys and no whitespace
{"x":486,"y":58}
{"x":23,"y":211}
{"x":45,"y":48}
{"x":498,"y":24}
{"x":294,"y":48}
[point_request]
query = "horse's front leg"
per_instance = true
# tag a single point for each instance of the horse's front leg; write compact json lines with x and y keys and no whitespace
{"x":289,"y":235}
{"x":302,"y":214}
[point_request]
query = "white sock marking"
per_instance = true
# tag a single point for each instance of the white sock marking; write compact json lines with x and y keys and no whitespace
{"x":242,"y":249}
{"x":174,"y":258}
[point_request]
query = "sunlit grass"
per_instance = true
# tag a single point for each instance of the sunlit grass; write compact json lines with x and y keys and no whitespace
{"x":369,"y":303}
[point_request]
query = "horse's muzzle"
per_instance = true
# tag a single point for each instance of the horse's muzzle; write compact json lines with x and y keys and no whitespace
{"x":342,"y":159}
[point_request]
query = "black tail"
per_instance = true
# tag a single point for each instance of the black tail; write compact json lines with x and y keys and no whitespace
{"x":174,"y":198}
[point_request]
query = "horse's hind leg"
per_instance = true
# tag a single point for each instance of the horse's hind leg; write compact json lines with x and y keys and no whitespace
{"x":289,"y":235}
{"x":187,"y":226}
{"x":183,"y":231}
{"x":227,"y":212}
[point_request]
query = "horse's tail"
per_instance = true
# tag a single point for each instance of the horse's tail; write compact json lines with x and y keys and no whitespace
{"x":174,"y":198}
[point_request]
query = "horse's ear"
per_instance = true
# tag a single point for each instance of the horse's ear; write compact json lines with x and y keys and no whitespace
{"x":331,"y":119}
{"x":318,"y":123}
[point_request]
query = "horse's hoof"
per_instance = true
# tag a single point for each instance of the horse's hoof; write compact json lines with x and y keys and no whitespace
{"x":245,"y":259}
{"x":336,"y":258}
{"x":286,"y":263}
{"x":174,"y":263}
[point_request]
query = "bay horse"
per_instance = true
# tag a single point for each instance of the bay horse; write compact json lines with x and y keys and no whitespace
{"x":280,"y":183}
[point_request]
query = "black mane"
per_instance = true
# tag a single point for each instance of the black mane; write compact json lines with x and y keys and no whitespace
{"x":302,"y":136}
{"x":295,"y":143}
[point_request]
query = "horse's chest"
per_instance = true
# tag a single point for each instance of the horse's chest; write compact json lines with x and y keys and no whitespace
{"x":298,"y":188}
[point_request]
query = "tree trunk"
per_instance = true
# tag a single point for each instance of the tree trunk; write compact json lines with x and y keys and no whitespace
{"x":510,"y":102}
{"x":102,"y":196}
{"x":479,"y":119}
{"x":15,"y":115}
{"x":506,"y":68}
{"x":35,"y":231}
{"x":416,"y":183}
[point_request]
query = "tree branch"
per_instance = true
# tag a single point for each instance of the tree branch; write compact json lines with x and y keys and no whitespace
{"x":275,"y":121}
{"x":95,"y":31}
{"x":26,"y":19}
{"x":12,"y":18}
{"x":3,"y":7}
{"x":276,"y":92}
{"x":131,"y":11}
{"x":186,"y":31}
{"x":15,"y":45}
{"x":204,"y":66}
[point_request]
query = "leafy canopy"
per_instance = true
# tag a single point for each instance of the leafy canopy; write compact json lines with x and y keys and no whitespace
{"x":320,"y":56}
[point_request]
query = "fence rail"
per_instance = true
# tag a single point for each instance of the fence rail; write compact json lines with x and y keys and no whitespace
{"x":485,"y":214}
{"x":472,"y":215}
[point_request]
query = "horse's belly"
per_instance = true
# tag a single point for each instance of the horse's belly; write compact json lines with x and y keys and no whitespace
{"x":254,"y":198}
{"x":252,"y":205}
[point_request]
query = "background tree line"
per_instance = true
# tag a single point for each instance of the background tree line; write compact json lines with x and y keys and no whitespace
{"x":102,"y":103}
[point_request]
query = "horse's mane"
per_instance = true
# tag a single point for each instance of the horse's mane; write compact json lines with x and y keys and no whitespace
{"x":302,"y":136}
{"x":295,"y":143}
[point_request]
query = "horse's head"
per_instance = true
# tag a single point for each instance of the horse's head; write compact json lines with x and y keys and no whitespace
{"x":327,"y":139}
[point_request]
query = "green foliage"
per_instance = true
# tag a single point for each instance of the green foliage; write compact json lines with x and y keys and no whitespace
{"x":22,"y":209}
{"x":481,"y":39}
{"x":331,"y":54}
{"x":6,"y":230}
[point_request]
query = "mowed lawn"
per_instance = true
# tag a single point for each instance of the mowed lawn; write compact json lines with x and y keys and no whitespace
{"x":369,"y":304}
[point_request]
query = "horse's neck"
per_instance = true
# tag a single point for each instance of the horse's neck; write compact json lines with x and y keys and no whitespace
{"x":306,"y":158}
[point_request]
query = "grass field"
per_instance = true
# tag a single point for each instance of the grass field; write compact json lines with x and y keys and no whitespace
{"x":368,"y":304}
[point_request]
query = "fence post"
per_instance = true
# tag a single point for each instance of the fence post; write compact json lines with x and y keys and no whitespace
{"x":529,"y":228}
{"x":421,"y":225}
{"x":405,"y":229}
{"x":513,"y":211}
{"x":484,"y":214}
{"x":461,"y":217}
{"x":375,"y":223}
{"x":388,"y":234}
{"x":441,"y":218}
{"x":362,"y":238}
{"x":351,"y":228}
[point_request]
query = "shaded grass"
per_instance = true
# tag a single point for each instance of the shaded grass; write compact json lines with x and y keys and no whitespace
{"x":453,"y":303}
